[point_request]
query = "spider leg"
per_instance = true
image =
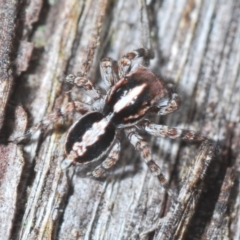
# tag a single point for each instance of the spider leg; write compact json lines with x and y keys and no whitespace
{"x":141,"y":145}
{"x":109,"y":162}
{"x":126,"y":61}
{"x":81,"y":80}
{"x":169,"y":105}
{"x":109,"y":71}
{"x":168,"y":132}
{"x":57,"y":115}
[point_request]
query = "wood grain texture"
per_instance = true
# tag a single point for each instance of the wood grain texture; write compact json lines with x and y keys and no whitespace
{"x":196,"y":46}
{"x":8,"y":15}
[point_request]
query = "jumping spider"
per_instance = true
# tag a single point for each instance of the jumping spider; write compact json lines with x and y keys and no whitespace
{"x":132,"y":91}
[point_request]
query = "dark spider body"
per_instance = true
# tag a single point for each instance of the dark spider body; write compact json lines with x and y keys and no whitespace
{"x":126,"y":103}
{"x":132,"y":92}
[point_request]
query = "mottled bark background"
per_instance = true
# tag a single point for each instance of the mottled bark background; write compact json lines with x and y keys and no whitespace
{"x":196,"y":45}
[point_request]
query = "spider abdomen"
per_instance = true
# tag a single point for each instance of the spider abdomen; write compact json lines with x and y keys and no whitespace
{"x":90,"y":138}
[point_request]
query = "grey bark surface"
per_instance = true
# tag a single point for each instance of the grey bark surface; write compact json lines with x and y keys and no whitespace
{"x":196,"y":45}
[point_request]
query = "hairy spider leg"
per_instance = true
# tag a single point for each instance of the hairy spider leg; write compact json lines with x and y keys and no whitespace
{"x":109,"y":162}
{"x":125,"y":62}
{"x":82,"y":81}
{"x":141,"y":145}
{"x":170,"y":132}
{"x":169,"y":105}
{"x":52,"y":118}
{"x":109,"y":71}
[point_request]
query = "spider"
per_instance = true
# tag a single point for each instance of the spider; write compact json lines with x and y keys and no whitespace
{"x":132,"y":91}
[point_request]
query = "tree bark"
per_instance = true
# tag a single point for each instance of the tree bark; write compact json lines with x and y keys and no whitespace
{"x":196,"y":46}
